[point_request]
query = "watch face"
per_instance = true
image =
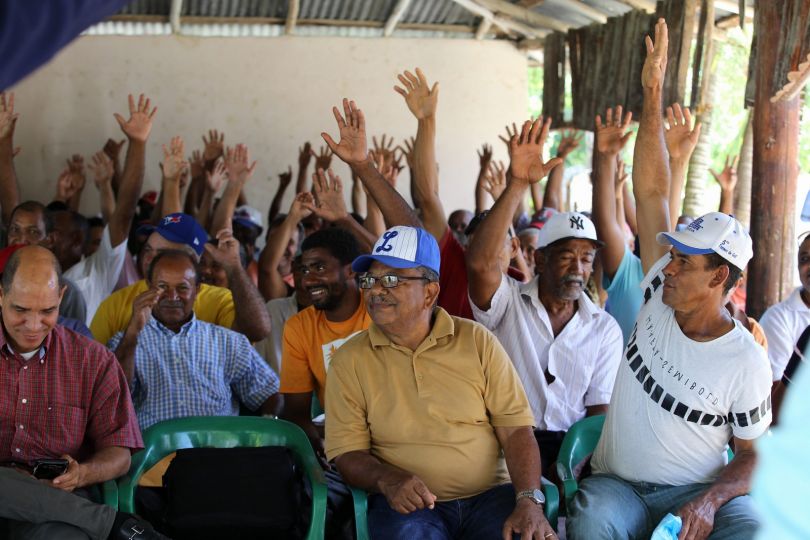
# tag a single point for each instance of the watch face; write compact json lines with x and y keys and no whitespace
{"x":538,"y":497}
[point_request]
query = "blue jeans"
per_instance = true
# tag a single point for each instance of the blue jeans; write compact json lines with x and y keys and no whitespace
{"x":608,"y":507}
{"x":477,"y":518}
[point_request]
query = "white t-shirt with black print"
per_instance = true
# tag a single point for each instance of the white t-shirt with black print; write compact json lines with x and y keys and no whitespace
{"x":677,"y":402}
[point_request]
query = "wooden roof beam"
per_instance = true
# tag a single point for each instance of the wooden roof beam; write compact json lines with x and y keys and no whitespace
{"x":504,"y":24}
{"x":646,"y":5}
{"x":584,"y":9}
{"x":292,"y":17}
{"x":483,"y":28}
{"x":396,"y":15}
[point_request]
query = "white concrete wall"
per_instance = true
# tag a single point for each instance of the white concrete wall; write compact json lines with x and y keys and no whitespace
{"x":271,"y":94}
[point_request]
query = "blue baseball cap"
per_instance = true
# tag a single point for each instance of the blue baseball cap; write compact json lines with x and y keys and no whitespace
{"x":402,"y":247}
{"x":181,"y":229}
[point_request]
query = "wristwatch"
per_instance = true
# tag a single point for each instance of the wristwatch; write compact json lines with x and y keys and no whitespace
{"x":534,"y":495}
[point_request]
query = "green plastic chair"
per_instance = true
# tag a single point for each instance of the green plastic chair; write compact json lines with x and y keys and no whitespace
{"x":580,"y":441}
{"x":106,"y":493}
{"x":166,"y":437}
{"x":361,"y":508}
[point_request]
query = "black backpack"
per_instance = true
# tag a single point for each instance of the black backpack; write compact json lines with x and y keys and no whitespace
{"x":235,"y":493}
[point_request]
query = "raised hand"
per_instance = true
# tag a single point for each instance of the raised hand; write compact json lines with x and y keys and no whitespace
{"x":300,"y":207}
{"x":139,"y":125}
{"x":680,"y":136}
{"x":352,"y":147}
{"x":406,"y":150}
{"x":569,"y":141}
{"x":421,"y":99}
{"x":612,"y":135}
{"x":8,"y":118}
{"x":328,"y":204}
{"x":76,"y":167}
{"x":485,"y":156}
{"x":389,"y":169}
{"x":304,"y":155}
{"x":214,"y":145}
{"x":113,"y":148}
{"x":384,"y":148}
{"x":526,"y":152}
{"x":226,"y":252}
{"x":102,"y":168}
{"x":510,"y":133}
{"x":285,"y":178}
{"x":655,"y":65}
{"x":142,"y":310}
{"x":66,"y":186}
{"x":495,"y":179}
{"x":197,"y":164}
{"x":173,"y":161}
{"x":322,"y":159}
{"x":236,"y":163}
{"x":621,"y":174}
{"x":216,"y":177}
{"x":727,"y":178}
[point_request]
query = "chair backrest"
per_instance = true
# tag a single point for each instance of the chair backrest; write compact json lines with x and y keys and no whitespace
{"x":166,"y":437}
{"x":580,"y":441}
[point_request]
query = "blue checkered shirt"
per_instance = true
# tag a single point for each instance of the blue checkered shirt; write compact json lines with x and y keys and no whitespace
{"x":204,"y":370}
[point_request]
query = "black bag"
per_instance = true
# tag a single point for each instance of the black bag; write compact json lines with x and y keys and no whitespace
{"x":235,"y":493}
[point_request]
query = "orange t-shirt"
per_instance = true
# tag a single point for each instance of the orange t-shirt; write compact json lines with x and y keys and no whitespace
{"x":308,"y":345}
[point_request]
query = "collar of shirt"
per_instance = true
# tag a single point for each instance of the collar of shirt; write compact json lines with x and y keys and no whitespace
{"x":185,"y":330}
{"x":795,"y":302}
{"x":585,"y":307}
{"x":443,"y":326}
{"x":5,"y":346}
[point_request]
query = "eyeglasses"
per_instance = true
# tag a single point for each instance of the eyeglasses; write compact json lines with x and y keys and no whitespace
{"x":388,"y":281}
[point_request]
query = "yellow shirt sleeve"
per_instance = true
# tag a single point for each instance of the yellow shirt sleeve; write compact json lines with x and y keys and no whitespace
{"x":111,"y":317}
{"x":296,"y":376}
{"x":215,"y":305}
{"x":346,"y":424}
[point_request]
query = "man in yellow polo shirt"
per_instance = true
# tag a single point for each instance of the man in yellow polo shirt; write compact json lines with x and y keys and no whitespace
{"x":426,"y":412}
{"x":241,"y":308}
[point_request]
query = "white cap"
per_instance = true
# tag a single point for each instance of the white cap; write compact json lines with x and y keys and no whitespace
{"x":714,"y":232}
{"x":566,"y":226}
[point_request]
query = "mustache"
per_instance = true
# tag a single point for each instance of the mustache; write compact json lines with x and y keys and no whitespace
{"x":572,"y":278}
{"x":380,"y":300}
{"x":170,"y":304}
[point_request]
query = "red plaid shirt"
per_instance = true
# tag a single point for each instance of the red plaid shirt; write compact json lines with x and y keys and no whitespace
{"x":71,"y":397}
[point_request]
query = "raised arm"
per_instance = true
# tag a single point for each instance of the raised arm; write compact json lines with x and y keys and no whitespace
{"x":112,"y":149}
{"x":250,"y":314}
{"x":76,"y":167}
{"x":9,"y":190}
{"x":284,"y":180}
{"x":196,"y":190}
{"x":326,"y":201}
{"x":352,"y":150}
{"x":611,"y":136}
{"x":271,"y":282}
{"x":422,"y":101}
{"x":305,"y":154}
{"x":102,"y":169}
{"x":240,"y":169}
{"x":727,"y":178}
{"x":484,"y":160}
{"x":172,"y":169}
{"x":650,"y":163}
{"x":681,"y":139}
{"x":526,"y":167}
{"x":553,"y":197}
{"x":214,"y":179}
{"x":137,"y":130}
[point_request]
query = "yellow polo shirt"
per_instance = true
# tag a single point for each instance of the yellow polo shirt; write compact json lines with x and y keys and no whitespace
{"x":213,"y":304}
{"x":430,"y":412}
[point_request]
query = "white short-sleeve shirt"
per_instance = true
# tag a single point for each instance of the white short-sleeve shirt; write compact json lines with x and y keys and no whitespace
{"x":95,"y":276}
{"x":783,"y":324}
{"x":583,"y":358}
{"x":677,"y":402}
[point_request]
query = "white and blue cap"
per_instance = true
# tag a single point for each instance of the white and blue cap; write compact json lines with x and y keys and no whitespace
{"x":714,"y":232}
{"x":402,"y":247}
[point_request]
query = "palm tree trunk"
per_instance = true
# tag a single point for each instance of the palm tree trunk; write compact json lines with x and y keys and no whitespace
{"x":742,"y":198}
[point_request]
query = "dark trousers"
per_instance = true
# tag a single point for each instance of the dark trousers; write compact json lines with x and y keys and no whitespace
{"x":549,"y":443}
{"x":30,"y":509}
{"x":476,"y":518}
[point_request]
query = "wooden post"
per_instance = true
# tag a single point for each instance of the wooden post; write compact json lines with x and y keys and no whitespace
{"x":773,"y":190}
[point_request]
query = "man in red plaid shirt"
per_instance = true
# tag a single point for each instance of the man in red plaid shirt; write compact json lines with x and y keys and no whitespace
{"x":61,"y":396}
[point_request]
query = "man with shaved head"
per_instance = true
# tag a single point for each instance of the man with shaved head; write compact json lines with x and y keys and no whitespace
{"x":62,"y":396}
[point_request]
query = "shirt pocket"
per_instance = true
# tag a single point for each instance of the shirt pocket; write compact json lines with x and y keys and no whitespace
{"x":60,"y":428}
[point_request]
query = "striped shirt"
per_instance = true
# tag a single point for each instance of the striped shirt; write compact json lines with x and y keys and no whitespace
{"x":581,"y":361}
{"x":203,"y":370}
{"x":70,"y":397}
